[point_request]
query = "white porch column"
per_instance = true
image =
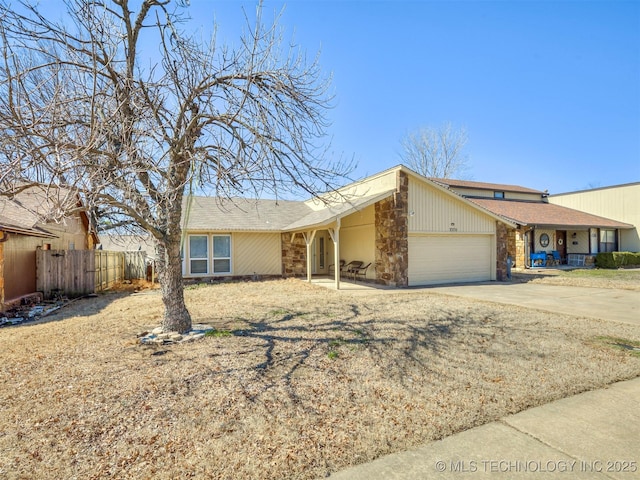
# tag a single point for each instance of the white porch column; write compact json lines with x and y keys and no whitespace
{"x":308,"y":238}
{"x":335,"y":236}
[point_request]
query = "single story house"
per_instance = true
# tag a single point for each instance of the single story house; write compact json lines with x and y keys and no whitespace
{"x":24,"y":228}
{"x":620,"y":202}
{"x":409,"y":229}
{"x":543,"y":227}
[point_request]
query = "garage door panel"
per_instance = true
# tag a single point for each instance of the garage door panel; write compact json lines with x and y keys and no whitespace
{"x":435,"y":259}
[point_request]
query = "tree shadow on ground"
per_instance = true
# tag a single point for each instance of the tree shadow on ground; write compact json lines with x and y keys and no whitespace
{"x":280,"y":347}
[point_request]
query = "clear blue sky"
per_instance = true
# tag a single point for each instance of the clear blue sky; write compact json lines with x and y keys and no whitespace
{"x":549,"y":92}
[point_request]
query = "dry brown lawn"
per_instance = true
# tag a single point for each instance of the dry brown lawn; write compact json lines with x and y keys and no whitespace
{"x":300,"y":382}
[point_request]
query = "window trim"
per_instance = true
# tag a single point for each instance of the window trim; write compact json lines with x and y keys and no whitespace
{"x":499,"y":195}
{"x":614,"y":243}
{"x":214,"y":258}
{"x":210,"y":255}
{"x":205,"y":258}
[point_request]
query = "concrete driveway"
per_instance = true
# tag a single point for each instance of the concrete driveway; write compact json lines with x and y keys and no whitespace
{"x":602,"y":303}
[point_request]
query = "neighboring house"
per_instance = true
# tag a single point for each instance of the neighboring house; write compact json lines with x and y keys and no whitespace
{"x":543,"y":227}
{"x":411,"y":230}
{"x":621,"y":202}
{"x":128,"y":243}
{"x":24,"y":228}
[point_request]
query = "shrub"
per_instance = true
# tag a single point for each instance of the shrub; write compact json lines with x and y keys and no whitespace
{"x":617,"y":259}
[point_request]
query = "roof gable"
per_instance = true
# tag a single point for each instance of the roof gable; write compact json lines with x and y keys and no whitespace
{"x":29,"y":211}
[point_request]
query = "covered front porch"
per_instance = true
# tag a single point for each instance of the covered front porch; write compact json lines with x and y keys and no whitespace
{"x":345,"y":242}
{"x":549,"y":246}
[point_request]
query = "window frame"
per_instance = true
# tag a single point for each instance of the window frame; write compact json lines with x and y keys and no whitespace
{"x":214,"y":257}
{"x":191,"y":258}
{"x":606,"y":244}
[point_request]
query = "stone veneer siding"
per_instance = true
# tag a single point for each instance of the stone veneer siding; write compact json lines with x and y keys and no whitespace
{"x":392,"y":241}
{"x":516,"y":247}
{"x":294,"y":256}
{"x":502,"y":236}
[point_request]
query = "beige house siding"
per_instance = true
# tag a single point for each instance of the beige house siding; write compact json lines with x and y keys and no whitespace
{"x":258,"y":253}
{"x":252,"y":253}
{"x":374,"y":185}
{"x":72,"y":235}
{"x":432,"y":211}
{"x":579,"y":243}
{"x":357,"y":238}
{"x":575,"y":244}
{"x":552,"y":240}
{"x":620,"y":203}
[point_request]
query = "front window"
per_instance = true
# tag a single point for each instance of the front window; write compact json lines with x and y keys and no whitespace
{"x":198,"y":254}
{"x":608,"y":241}
{"x":221,"y":254}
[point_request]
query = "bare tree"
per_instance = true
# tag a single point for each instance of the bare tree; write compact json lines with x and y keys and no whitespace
{"x":436,"y":153}
{"x":82,"y":106}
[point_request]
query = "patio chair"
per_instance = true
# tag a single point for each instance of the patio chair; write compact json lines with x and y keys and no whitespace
{"x":557,"y":259}
{"x":332,"y":267}
{"x":349,"y":267}
{"x":360,"y":272}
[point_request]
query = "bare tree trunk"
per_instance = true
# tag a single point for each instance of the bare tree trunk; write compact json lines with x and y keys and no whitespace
{"x":176,"y":316}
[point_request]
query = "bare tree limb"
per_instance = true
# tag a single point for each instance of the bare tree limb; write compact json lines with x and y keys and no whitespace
{"x":80,"y":108}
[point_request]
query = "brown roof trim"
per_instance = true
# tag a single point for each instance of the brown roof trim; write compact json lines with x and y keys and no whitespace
{"x":485,"y":186}
{"x":32,"y":232}
{"x":547,"y":214}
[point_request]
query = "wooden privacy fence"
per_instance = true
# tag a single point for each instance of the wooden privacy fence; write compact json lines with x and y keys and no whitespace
{"x":74,"y":273}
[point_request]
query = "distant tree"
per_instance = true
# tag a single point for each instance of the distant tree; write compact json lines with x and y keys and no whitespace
{"x":437,"y":153}
{"x":81,"y":105}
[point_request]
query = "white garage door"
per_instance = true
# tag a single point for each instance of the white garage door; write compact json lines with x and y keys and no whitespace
{"x":437,"y":259}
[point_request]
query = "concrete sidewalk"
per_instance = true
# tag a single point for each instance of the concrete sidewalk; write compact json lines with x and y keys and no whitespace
{"x":593,"y":435}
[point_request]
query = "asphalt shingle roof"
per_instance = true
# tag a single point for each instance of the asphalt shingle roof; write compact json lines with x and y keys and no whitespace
{"x":240,"y":214}
{"x":484,"y":186}
{"x":541,"y":213}
{"x":24,"y":212}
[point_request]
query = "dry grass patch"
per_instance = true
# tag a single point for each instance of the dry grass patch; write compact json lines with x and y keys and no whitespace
{"x":625,"y":279}
{"x":267,"y":398}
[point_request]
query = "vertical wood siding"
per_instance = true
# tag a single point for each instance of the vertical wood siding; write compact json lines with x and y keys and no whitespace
{"x":620,"y":203}
{"x":432,"y":211}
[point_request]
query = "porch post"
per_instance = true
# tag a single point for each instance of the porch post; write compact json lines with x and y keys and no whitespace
{"x":335,"y":236}
{"x":308,"y":238}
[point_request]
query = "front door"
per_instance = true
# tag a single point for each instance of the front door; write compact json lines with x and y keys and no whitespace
{"x":561,"y":243}
{"x":320,"y":254}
